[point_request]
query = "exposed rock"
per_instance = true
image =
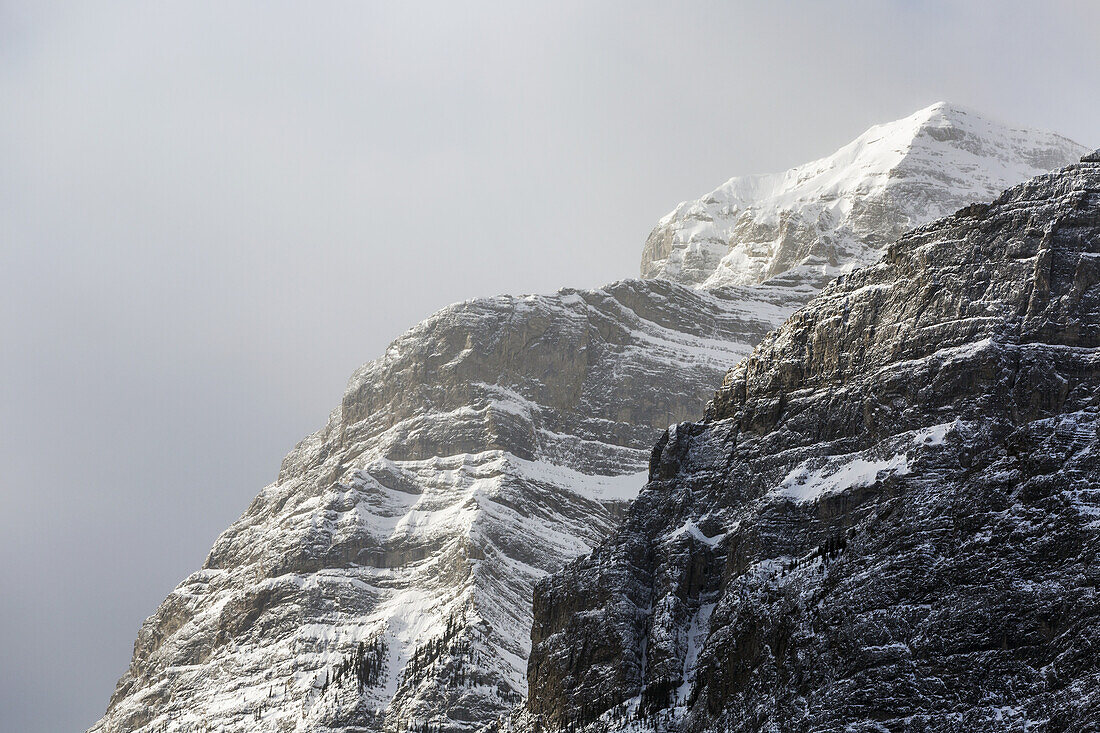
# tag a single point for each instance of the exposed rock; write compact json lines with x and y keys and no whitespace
{"x":890,"y":518}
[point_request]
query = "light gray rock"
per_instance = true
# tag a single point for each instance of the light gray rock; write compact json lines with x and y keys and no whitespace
{"x":491,"y":443}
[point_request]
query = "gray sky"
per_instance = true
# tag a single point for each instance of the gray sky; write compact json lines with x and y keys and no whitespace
{"x":211,"y":213}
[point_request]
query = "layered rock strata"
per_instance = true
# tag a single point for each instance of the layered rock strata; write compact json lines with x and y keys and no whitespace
{"x":384,"y":581}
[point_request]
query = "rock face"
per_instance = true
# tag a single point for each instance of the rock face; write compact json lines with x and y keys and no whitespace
{"x":491,"y":443}
{"x":833,"y":214}
{"x":384,"y":581}
{"x":889,"y":518}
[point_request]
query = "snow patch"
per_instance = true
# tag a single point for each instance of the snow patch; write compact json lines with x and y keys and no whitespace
{"x":804,"y":485}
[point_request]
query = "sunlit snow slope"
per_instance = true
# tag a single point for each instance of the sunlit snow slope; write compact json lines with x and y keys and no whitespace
{"x":839,"y":212}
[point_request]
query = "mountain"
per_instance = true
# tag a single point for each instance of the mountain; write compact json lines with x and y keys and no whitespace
{"x":889,"y":518}
{"x":839,"y":212}
{"x":384,"y":580}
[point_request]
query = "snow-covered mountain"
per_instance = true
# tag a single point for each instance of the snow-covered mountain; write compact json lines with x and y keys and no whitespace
{"x":839,"y":212}
{"x":384,"y":580}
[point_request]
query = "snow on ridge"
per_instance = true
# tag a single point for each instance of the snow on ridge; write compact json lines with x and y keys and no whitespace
{"x":841,"y":210}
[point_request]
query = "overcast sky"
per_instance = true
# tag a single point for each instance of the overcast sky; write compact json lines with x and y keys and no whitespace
{"x":211,"y":213}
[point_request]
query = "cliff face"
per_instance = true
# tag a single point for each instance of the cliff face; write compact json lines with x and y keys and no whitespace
{"x":888,"y":520}
{"x":830,"y":215}
{"x":384,"y":580}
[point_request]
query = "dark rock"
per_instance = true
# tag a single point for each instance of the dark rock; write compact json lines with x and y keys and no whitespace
{"x":890,"y":518}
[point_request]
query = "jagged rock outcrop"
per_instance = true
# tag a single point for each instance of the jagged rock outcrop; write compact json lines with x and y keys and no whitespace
{"x":840,"y":212}
{"x":383,"y":582}
{"x":888,"y":520}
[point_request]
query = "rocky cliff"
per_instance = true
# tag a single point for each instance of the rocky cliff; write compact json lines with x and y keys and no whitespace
{"x":383,"y":581}
{"x":889,"y":518}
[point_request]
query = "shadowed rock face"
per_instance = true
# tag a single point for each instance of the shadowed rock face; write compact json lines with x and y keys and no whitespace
{"x":890,"y":517}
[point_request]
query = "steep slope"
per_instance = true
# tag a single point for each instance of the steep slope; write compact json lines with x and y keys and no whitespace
{"x":839,"y":212}
{"x":491,"y":443}
{"x":890,"y":518}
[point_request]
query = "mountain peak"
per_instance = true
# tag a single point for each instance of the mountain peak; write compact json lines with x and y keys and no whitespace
{"x":945,"y":110}
{"x":832,"y":214}
{"x":946,"y":115}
